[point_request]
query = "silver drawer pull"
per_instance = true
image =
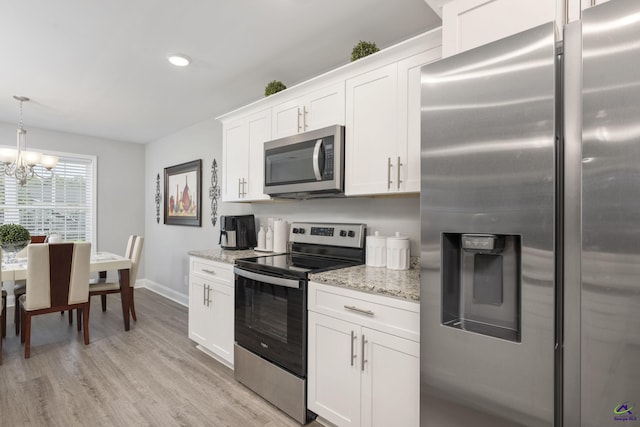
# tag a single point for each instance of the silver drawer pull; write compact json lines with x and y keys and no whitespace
{"x":208,"y":271}
{"x":359,"y":310}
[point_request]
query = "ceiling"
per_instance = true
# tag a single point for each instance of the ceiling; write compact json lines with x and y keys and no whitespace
{"x":99,"y":68}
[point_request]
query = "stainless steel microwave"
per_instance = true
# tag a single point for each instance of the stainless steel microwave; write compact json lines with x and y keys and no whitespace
{"x":305,"y":165}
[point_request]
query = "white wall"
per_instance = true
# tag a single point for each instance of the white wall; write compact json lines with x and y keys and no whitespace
{"x":120,"y":181}
{"x":167,"y":246}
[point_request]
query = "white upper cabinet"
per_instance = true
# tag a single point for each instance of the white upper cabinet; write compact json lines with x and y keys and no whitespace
{"x":243,"y":157}
{"x":376,"y":98}
{"x":382,"y":153}
{"x":318,"y":109}
{"x":471,"y":23}
{"x":371,"y":141}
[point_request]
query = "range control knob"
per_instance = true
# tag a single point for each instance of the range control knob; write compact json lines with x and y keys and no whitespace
{"x":302,"y":231}
{"x":295,"y":231}
{"x":343,"y":233}
{"x":351,"y":233}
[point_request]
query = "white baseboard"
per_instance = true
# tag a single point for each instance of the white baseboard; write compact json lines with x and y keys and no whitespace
{"x":162,"y":290}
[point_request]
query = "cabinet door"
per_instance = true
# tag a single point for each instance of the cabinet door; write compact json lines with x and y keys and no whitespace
{"x":235,"y":156}
{"x":199,"y":312}
{"x":408,"y":169}
{"x":333,"y":385}
{"x":221,"y":321}
{"x":471,"y":23}
{"x":390,"y":380}
{"x":287,"y":118}
{"x":324,"y":107}
{"x":371,"y":131}
{"x":259,"y":130}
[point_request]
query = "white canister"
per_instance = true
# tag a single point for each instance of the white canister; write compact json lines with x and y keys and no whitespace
{"x":280,"y":235}
{"x":398,"y":252}
{"x":376,"y":250}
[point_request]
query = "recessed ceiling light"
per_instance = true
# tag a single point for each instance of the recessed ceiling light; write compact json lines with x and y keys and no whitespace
{"x":179,"y":60}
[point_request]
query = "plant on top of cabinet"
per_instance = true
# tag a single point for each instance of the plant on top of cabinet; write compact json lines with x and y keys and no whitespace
{"x":274,"y":86}
{"x":363,"y":49}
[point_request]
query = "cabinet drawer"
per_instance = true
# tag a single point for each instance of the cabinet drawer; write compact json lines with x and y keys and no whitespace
{"x":220,"y":272}
{"x":386,"y":314}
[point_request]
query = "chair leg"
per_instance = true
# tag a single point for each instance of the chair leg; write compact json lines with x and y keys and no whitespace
{"x":103,"y":299}
{"x":16,"y":316}
{"x":85,"y":319}
{"x":79,"y":315}
{"x":133,"y":307}
{"x":70,"y":317}
{"x":4,"y":314}
{"x":27,"y":333}
{"x":22,"y":323}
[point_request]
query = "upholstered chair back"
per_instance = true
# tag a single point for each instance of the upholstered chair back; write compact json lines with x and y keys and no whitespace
{"x":57,"y":274}
{"x":135,"y":256}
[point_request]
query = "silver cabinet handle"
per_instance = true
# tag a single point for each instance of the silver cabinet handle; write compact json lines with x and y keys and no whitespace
{"x":300,"y":113}
{"x":399,"y":164}
{"x":353,"y":339}
{"x":244,"y":187}
{"x":362,"y":358}
{"x":389,"y":182}
{"x":239,"y":186}
{"x":208,"y":271}
{"x":208,"y":296}
{"x":204,"y":294}
{"x":359,"y":310}
{"x":304,"y":118}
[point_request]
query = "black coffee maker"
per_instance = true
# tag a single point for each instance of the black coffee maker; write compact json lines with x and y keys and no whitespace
{"x":237,"y":232}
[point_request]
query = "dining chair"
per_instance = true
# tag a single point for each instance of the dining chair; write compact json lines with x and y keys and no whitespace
{"x":103,"y":288}
{"x":57,"y":280}
{"x":20,"y":288}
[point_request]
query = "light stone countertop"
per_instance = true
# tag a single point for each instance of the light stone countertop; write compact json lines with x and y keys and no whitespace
{"x":404,"y":284}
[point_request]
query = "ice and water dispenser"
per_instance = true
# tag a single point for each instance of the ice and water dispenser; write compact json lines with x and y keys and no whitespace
{"x":481,"y":283}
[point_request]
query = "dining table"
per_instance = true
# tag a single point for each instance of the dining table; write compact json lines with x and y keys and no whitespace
{"x":101,"y":262}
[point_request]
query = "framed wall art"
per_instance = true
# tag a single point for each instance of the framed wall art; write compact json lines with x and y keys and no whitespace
{"x":183,"y":194}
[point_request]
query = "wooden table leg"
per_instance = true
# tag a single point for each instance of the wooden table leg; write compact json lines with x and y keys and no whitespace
{"x":125,"y":296}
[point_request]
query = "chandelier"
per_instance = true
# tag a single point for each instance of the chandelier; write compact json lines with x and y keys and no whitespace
{"x":21,"y":163}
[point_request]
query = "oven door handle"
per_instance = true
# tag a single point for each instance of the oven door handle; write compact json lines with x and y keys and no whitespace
{"x":279,"y":281}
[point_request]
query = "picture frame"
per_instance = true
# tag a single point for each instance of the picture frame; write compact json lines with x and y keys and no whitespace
{"x":183,"y":194}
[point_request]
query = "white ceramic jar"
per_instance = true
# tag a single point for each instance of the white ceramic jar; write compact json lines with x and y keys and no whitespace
{"x":376,"y":250}
{"x":398,"y":252}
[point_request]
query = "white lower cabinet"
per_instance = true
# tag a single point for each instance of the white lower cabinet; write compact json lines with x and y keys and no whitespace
{"x":359,"y":375}
{"x":211,"y":307}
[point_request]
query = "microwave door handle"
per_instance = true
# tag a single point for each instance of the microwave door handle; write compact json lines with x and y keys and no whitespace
{"x":279,"y":281}
{"x":316,"y":160}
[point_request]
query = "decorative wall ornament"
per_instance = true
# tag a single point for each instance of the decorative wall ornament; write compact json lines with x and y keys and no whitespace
{"x":184,"y":206}
{"x":214,"y":192}
{"x":158,"y":198}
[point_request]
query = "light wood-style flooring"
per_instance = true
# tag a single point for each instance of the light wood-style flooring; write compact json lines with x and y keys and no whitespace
{"x":152,"y":375}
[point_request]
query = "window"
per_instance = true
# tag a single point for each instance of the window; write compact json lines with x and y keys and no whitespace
{"x":64,"y":204}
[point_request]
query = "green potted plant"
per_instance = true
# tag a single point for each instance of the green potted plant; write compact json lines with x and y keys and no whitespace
{"x":363,"y":49}
{"x":274,"y":86}
{"x":13,"y":238}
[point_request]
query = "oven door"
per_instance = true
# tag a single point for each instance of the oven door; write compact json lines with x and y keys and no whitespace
{"x":271,"y":318}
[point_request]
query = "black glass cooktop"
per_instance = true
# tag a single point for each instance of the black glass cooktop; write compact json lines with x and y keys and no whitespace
{"x":298,"y":265}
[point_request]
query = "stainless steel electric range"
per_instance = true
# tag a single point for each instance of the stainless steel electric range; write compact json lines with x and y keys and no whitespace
{"x":271,"y":310}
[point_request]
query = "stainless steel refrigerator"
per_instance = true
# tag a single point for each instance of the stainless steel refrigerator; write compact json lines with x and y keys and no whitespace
{"x":530,"y":216}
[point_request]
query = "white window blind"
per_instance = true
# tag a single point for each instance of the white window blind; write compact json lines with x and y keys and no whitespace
{"x":64,"y":204}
